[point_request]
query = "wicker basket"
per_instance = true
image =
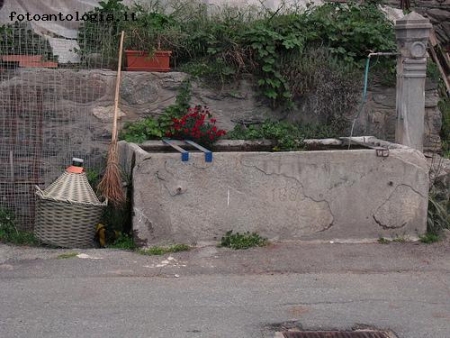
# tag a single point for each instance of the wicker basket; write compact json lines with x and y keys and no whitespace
{"x":67,"y":212}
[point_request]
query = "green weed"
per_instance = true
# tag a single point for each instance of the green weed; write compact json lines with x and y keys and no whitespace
{"x":242,"y":241}
{"x":9,"y":232}
{"x":433,"y":72}
{"x":383,"y":240}
{"x":429,"y":238}
{"x":162,"y":250}
{"x":438,"y":217}
{"x":68,"y":255}
{"x":93,"y":176}
{"x":123,"y":242}
{"x":287,"y":135}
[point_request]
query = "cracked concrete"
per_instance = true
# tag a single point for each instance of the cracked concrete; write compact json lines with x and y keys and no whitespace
{"x":400,"y":208}
{"x":219,"y":292}
{"x":309,"y":195}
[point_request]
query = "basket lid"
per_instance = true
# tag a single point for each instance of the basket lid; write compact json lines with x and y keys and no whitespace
{"x":73,"y":186}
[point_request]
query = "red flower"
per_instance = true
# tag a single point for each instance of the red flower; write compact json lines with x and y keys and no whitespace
{"x":195,"y":126}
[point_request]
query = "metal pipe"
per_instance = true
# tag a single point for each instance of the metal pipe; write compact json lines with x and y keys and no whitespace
{"x":366,"y":72}
{"x":382,"y":54}
{"x":366,"y":80}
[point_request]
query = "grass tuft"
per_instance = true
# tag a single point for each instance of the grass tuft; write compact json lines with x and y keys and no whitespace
{"x":383,"y":240}
{"x":68,"y":255}
{"x":162,"y":250}
{"x":123,"y":242}
{"x":430,"y":238}
{"x":9,"y":232}
{"x":242,"y":241}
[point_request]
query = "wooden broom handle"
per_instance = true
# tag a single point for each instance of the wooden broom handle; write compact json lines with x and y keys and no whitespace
{"x":116,"y":95}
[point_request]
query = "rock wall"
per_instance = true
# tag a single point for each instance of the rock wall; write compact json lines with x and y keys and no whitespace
{"x":77,"y":109}
{"x":379,"y":115}
{"x":438,"y":11}
{"x":48,"y":116}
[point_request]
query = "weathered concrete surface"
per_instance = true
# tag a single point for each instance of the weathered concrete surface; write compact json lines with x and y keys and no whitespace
{"x":218,"y":292}
{"x":320,"y":195}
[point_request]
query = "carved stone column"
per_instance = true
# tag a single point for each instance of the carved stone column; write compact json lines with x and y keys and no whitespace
{"x":412,"y":32}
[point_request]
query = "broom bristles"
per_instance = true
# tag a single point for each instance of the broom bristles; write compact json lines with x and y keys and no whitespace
{"x":111,"y":184}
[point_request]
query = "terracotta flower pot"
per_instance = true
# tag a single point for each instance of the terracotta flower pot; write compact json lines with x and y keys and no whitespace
{"x":141,"y":61}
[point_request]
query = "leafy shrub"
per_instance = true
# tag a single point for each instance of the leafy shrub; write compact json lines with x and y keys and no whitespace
{"x":140,"y":131}
{"x":351,"y":31}
{"x":227,"y":44}
{"x":288,"y":136}
{"x":258,"y":44}
{"x":323,"y":84}
{"x":150,"y":128}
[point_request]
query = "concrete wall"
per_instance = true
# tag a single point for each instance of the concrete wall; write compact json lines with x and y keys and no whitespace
{"x":309,"y":195}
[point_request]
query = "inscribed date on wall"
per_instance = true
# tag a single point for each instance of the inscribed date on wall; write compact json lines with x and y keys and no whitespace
{"x":286,"y":194}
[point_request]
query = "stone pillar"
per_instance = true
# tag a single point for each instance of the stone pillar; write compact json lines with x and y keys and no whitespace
{"x":412,"y":32}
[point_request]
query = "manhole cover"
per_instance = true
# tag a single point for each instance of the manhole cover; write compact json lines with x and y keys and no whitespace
{"x":338,"y":334}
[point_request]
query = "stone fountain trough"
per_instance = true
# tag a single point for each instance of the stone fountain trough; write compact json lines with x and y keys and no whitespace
{"x":337,"y":194}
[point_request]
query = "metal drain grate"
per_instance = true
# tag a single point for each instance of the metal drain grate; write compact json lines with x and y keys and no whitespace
{"x":338,"y":334}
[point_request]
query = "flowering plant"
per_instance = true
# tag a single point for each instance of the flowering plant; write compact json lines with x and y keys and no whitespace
{"x":197,"y":125}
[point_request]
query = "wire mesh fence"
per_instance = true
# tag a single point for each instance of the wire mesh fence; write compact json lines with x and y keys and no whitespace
{"x":49,"y":84}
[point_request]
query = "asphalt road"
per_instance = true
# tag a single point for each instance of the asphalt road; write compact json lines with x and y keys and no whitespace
{"x":211,"y":292}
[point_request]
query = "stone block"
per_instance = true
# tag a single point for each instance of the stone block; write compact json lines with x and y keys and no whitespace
{"x":309,"y":195}
{"x":439,"y":14}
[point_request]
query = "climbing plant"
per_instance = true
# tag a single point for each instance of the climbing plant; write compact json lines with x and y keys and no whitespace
{"x":233,"y":42}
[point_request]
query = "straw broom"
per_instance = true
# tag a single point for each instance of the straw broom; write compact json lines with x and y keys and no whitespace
{"x":111,"y":184}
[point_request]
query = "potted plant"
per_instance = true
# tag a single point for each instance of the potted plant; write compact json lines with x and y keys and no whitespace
{"x":148,"y":42}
